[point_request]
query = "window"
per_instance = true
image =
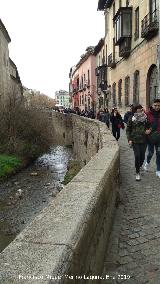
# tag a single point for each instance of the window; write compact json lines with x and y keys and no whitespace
{"x":127,"y":90}
{"x":153,"y":8}
{"x":84,"y":76}
{"x":114,"y":93}
{"x":136,"y":35}
{"x":120,"y":3}
{"x":127,"y":3}
{"x":106,"y":54}
{"x":153,"y":5}
{"x":120,"y":92}
{"x":103,"y":57}
{"x":123,"y":24}
{"x":114,"y":11}
{"x":113,"y":50}
{"x":88,"y":78}
{"x":136,"y":85}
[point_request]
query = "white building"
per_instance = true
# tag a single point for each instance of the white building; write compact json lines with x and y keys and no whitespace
{"x":62,"y":98}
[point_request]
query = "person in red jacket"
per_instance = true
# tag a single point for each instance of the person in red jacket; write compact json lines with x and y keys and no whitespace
{"x":154,"y":120}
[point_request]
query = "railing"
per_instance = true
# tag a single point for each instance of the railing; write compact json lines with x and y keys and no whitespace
{"x":111,"y":60}
{"x":125,"y":48}
{"x":149,"y":24}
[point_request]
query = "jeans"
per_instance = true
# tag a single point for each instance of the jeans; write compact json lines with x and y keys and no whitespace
{"x":151,"y":152}
{"x":139,"y":154}
{"x":116,"y":132}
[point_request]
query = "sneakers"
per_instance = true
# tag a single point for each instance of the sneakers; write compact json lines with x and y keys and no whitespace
{"x":138,"y":177}
{"x":146,"y":167}
{"x":158,"y":174}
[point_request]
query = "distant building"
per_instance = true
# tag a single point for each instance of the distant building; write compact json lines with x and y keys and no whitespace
{"x":62,"y":98}
{"x":83,"y":82}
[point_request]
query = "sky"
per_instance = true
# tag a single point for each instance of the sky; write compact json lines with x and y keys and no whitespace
{"x":48,"y":37}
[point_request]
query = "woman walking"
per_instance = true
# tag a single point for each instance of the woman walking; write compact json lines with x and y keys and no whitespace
{"x":105,"y":117}
{"x":137,"y":130}
{"x":117,"y":123}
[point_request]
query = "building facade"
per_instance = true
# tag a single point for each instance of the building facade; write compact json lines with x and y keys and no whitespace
{"x":62,"y":98}
{"x":130,"y":51}
{"x":10,"y":83}
{"x":101,"y":75}
{"x":83,"y":82}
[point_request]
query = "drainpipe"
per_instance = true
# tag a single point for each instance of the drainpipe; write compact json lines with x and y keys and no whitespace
{"x":158,"y":53}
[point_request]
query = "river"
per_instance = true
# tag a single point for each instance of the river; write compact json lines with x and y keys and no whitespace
{"x":25,"y":194}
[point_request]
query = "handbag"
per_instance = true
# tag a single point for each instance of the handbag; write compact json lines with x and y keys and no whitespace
{"x":121,"y":125}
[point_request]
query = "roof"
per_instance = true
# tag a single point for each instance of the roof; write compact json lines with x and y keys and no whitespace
{"x":99,"y":46}
{"x":104,"y":4}
{"x":4,"y":31}
{"x":101,"y":4}
{"x":12,"y":63}
{"x":85,"y":56}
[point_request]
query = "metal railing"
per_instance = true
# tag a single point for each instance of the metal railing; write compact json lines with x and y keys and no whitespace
{"x":150,"y":21}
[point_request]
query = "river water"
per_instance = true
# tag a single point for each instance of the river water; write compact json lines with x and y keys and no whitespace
{"x":25,"y":194}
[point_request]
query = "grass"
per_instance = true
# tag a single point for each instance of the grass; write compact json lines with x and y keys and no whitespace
{"x":73,"y":169}
{"x":9,"y":164}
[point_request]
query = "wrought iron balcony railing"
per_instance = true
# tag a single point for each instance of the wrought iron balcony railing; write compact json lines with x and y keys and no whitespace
{"x":111,"y":61}
{"x":125,"y":48}
{"x":150,"y":25}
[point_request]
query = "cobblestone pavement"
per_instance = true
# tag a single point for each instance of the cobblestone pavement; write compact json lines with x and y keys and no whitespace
{"x":134,"y":247}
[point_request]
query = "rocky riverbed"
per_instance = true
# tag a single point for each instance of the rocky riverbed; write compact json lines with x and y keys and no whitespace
{"x":25,"y":194}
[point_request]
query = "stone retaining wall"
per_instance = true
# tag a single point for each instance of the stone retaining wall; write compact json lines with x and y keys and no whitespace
{"x":68,"y":239}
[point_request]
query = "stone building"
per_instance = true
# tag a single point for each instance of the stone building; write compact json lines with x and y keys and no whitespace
{"x":4,"y":61}
{"x":83,"y":82}
{"x":130,"y":50}
{"x":10,"y":82}
{"x":16,"y":88}
{"x":101,"y":75}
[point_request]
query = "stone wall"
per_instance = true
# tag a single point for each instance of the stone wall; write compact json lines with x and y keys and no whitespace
{"x":68,"y":239}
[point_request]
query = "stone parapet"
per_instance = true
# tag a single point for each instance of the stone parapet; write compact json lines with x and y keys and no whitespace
{"x":68,"y":239}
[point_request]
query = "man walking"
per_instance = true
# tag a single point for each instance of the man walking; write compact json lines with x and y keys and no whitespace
{"x":154,"y":137}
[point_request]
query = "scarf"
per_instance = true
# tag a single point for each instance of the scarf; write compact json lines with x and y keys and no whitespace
{"x":139,"y":117}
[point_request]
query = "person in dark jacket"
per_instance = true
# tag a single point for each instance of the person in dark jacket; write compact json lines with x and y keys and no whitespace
{"x":128,"y":114}
{"x":137,"y":130}
{"x":154,"y":119}
{"x":105,"y":117}
{"x":117,"y":123}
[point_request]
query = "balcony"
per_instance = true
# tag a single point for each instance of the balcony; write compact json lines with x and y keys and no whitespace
{"x":125,"y":48}
{"x":150,"y":25}
{"x":111,"y":61}
{"x":123,"y":24}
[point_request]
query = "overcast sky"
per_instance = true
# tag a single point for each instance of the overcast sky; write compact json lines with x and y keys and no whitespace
{"x":48,"y":37}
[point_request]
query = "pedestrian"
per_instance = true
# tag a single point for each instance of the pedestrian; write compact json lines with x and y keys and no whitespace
{"x":106,"y":117}
{"x":154,"y":137}
{"x":137,"y":129}
{"x":128,"y":114}
{"x":117,"y":123}
{"x":100,"y":114}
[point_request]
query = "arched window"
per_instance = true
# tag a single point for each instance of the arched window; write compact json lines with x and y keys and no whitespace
{"x":114,"y":93}
{"x":120,"y":93}
{"x":127,"y":91}
{"x":136,"y":85}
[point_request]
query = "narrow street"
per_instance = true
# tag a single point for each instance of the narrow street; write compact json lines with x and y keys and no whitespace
{"x":25,"y":194}
{"x":134,"y":247}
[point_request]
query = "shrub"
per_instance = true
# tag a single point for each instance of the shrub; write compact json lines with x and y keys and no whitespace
{"x":24,"y":131}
